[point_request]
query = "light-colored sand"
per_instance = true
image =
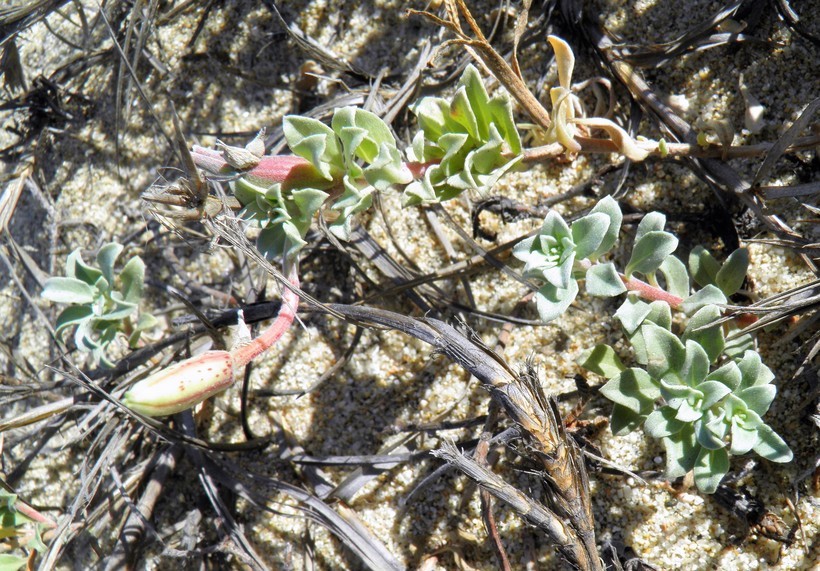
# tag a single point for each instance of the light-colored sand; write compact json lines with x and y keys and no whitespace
{"x":393,"y":380}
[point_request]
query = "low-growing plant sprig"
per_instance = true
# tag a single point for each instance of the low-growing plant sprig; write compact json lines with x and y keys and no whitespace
{"x":102,"y":303}
{"x":705,"y":402}
{"x":702,"y":396}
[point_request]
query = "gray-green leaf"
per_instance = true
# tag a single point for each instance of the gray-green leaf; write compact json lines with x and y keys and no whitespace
{"x":650,"y":250}
{"x":68,"y":290}
{"x":602,"y":280}
{"x":731,"y":275}
{"x":602,"y":360}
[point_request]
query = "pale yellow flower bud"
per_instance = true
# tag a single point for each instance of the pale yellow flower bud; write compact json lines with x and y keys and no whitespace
{"x":182,"y":385}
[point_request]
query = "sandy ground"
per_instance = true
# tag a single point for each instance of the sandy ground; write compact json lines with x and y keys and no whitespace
{"x":238,"y":76}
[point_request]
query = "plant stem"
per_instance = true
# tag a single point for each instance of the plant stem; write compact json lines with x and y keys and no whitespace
{"x":603,"y":146}
{"x":242,"y":355}
{"x":650,"y":292}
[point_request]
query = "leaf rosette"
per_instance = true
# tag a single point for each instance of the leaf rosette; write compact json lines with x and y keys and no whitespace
{"x":101,"y":301}
{"x":466,"y":143}
{"x":702,"y":412}
{"x":559,"y":254}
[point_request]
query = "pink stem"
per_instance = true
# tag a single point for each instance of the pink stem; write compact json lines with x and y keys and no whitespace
{"x":243,"y":355}
{"x":651,"y":293}
{"x":33,"y":514}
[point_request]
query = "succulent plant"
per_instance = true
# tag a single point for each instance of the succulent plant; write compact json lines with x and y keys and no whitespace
{"x":466,"y":143}
{"x":557,"y":253}
{"x":703,"y":408}
{"x":101,"y":303}
{"x":282,"y":193}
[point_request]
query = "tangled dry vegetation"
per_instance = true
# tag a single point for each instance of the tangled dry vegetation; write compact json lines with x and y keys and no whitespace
{"x":419,"y":415}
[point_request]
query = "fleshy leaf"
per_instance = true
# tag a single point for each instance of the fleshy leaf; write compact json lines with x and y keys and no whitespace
{"x":743,"y":439}
{"x":771,"y":446}
{"x":709,"y":295}
{"x":688,"y":413}
{"x":712,"y":391}
{"x":731,"y":275}
{"x":632,"y":313}
{"x":652,"y":222}
{"x":662,"y":423}
{"x":758,"y":398}
{"x":754,"y":372}
{"x":132,"y":278}
{"x":68,"y":290}
{"x":659,"y":314}
{"x":76,"y":268}
{"x":314,"y":141}
{"x":377,"y":131}
{"x":728,"y":374}
{"x":608,"y":206}
{"x":710,"y":468}
{"x":703,"y":266}
{"x":624,"y":421}
{"x":106,"y":257}
{"x":602,"y":280}
{"x":677,"y":278}
{"x":681,"y":452}
{"x":552,"y":302}
{"x":695,"y":365}
{"x":633,"y":389}
{"x":666,"y":352}
{"x":710,"y":337}
{"x":588,"y":232}
{"x":737,"y":344}
{"x":602,"y":360}
{"x":650,"y":251}
{"x":282,"y":239}
{"x":72,"y":315}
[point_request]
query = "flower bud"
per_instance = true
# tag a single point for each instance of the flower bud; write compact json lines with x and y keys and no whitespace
{"x":182,"y":385}
{"x":290,"y":170}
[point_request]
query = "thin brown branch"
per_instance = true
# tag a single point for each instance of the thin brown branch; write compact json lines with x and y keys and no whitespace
{"x":484,"y":53}
{"x":657,"y":149}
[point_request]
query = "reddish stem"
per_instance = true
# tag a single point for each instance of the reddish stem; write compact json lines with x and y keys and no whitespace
{"x":650,"y":292}
{"x":418,"y":169}
{"x":243,"y":355}
{"x":33,"y":514}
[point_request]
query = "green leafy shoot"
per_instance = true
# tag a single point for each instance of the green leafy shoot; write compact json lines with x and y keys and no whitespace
{"x":102,"y":303}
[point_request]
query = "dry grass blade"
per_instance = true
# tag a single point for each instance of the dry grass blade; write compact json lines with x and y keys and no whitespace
{"x":520,"y":28}
{"x":793,"y":191}
{"x":785,"y":141}
{"x":16,"y":18}
{"x":316,"y":50}
{"x":355,"y":481}
{"x":558,"y":531}
{"x":130,"y":542}
{"x":701,"y":37}
{"x":801,"y":301}
{"x":358,"y":539}
{"x":564,"y":469}
{"x":522,"y":399}
{"x":793,"y":19}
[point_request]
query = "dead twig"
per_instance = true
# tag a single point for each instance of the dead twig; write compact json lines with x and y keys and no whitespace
{"x":484,"y":53}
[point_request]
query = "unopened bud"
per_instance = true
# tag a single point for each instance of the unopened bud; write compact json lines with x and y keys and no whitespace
{"x":263,"y":171}
{"x":182,"y":385}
